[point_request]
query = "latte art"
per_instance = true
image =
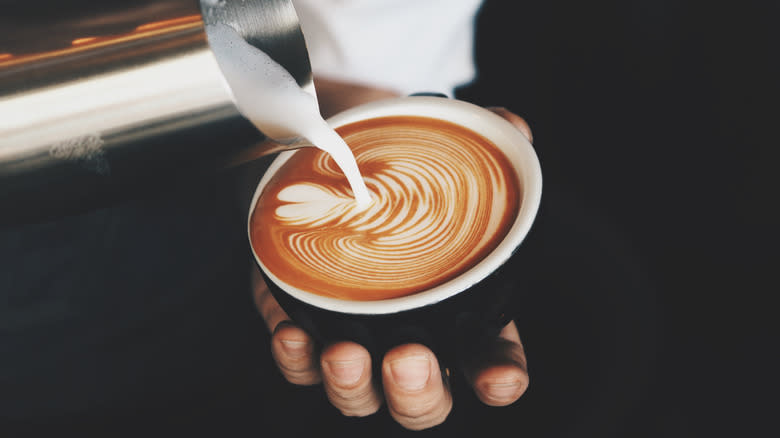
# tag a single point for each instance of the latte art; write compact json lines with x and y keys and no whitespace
{"x":442,"y":198}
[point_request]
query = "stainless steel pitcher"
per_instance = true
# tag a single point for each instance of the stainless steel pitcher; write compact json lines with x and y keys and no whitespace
{"x":97,"y":98}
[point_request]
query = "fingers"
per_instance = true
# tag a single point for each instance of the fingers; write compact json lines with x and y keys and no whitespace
{"x":335,"y":96}
{"x":346,"y":375}
{"x":516,"y":120}
{"x":343,"y":368}
{"x":295,"y":355}
{"x":292,"y":348}
{"x":499,"y":373}
{"x":416,"y":395}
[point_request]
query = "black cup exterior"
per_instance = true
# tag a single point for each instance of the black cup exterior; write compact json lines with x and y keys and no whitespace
{"x":455,"y":326}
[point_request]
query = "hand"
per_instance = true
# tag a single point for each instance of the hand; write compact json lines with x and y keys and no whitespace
{"x":414,"y":389}
{"x":412,"y":385}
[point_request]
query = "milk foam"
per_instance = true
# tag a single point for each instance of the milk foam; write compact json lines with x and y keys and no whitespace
{"x":442,"y":200}
{"x":267,"y":95}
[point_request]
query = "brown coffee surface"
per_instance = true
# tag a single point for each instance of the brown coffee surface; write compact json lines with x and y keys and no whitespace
{"x":443,"y":198}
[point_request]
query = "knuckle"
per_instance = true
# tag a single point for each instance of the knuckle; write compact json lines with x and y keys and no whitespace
{"x":300,"y":377}
{"x":355,"y":403}
{"x":294,"y":366}
{"x":419,"y":409}
{"x":421,"y":416}
{"x":298,"y":371}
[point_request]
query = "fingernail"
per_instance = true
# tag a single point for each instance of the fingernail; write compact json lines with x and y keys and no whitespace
{"x":503,"y":391}
{"x":411,"y":373}
{"x":294,"y":348}
{"x":345,"y":372}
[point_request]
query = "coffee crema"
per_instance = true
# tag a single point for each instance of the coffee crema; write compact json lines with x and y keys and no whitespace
{"x":443,"y":198}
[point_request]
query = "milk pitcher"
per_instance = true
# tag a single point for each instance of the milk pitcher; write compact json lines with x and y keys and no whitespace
{"x":97,"y":98}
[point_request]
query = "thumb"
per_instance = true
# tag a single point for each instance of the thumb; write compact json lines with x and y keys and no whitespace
{"x":514,"y":119}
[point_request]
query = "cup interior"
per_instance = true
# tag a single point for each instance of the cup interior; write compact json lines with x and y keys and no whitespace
{"x":496,"y":129}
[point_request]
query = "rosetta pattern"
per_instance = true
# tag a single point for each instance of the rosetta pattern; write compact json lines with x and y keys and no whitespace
{"x":439,"y":201}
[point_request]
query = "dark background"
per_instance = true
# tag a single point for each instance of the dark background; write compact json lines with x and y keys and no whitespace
{"x":644,"y":279}
{"x":653,"y":121}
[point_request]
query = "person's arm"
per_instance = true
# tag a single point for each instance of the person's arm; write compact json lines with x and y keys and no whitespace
{"x":335,"y":96}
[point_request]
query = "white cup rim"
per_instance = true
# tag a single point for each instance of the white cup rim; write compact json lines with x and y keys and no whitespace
{"x":495,"y":128}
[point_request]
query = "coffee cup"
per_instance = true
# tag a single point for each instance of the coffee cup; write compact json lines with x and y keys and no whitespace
{"x":392,"y":298}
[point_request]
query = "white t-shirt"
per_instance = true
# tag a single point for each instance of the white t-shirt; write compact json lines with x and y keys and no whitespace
{"x":403,"y":45}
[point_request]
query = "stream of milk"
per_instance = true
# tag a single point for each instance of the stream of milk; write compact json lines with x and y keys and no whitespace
{"x":267,"y":95}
